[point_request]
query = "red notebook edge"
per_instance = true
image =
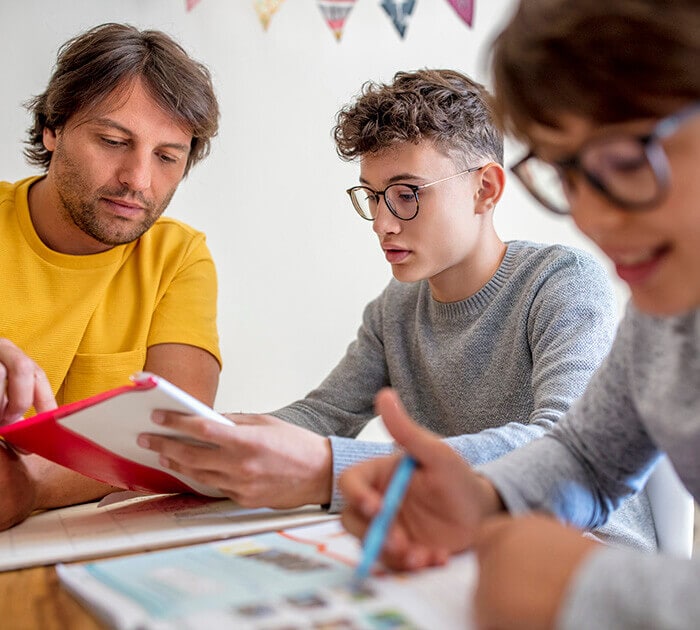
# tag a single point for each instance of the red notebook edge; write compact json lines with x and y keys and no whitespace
{"x":44,"y":436}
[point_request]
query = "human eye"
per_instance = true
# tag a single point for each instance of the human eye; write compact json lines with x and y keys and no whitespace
{"x":112,"y":142}
{"x":624,"y":157}
{"x":402,"y":193}
{"x":364,"y":194}
{"x":625,"y":164}
{"x":168,"y":159}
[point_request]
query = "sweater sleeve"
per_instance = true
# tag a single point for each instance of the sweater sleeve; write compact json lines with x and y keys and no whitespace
{"x":599,"y":454}
{"x":571,"y":324}
{"x":619,"y":589}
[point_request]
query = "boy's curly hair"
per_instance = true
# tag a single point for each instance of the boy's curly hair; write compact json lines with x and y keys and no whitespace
{"x":442,"y":106}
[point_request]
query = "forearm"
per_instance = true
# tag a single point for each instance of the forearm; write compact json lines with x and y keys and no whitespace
{"x":56,"y":486}
{"x":485,"y":446}
{"x":348,"y":452}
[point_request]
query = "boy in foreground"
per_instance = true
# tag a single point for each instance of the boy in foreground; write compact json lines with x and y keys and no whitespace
{"x":620,"y":155}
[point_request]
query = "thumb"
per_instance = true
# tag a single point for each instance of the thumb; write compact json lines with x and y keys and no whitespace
{"x":422,"y":444}
{"x":43,"y":396}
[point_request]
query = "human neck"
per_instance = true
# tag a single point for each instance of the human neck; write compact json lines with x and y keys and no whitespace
{"x":466,"y":278}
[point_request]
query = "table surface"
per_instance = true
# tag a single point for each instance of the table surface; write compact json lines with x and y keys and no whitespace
{"x":33,"y":599}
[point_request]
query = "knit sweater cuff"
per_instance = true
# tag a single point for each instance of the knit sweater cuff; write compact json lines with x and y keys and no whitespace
{"x":347,"y":452}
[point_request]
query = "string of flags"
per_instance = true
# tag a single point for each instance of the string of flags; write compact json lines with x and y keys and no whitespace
{"x":336,"y":12}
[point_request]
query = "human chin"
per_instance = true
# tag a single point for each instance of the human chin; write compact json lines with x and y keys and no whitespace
{"x":113,"y":231}
{"x":671,"y":299}
{"x":403,"y":273}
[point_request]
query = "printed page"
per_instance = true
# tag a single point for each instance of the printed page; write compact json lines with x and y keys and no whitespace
{"x":137,"y":524}
{"x":294,"y":579}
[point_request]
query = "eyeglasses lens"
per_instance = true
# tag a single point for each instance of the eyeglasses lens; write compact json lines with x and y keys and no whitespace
{"x":622,"y":168}
{"x":545,"y":182}
{"x":365,"y":202}
{"x":402,"y":200}
{"x":619,"y":167}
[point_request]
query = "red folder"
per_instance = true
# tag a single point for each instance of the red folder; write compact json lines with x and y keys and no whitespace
{"x":97,"y":436}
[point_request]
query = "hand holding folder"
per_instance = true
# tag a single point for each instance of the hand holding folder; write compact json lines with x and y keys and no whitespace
{"x":97,"y":436}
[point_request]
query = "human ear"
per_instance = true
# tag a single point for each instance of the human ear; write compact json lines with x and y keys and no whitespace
{"x":492,"y":179}
{"x":49,"y":139}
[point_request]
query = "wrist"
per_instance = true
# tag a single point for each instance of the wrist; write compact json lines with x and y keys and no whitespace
{"x":19,"y":489}
{"x":323,"y":481}
{"x":491,"y":501}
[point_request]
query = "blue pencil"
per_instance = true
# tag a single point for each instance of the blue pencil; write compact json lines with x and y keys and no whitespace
{"x":379,"y":527}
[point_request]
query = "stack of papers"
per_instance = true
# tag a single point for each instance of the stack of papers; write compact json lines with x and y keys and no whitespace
{"x":137,"y":524}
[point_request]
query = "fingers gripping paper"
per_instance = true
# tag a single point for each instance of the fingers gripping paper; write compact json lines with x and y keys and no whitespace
{"x":97,"y":436}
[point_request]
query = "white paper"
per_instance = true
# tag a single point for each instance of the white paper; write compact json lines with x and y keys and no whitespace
{"x":142,"y":523}
{"x":116,"y":423}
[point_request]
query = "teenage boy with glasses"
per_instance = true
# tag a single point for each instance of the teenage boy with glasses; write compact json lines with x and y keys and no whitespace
{"x":487,"y":342}
{"x":619,"y":135}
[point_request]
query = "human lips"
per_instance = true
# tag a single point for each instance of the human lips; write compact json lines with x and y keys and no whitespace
{"x":635,"y":267}
{"x":123,"y":208}
{"x":395,"y":254}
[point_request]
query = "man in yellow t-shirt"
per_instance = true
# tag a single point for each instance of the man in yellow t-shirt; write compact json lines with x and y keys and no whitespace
{"x":96,"y":285}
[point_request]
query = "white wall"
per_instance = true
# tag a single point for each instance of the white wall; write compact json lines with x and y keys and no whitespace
{"x":296,"y":265}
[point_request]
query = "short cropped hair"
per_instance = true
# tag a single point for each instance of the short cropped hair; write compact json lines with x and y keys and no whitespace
{"x":95,"y":65}
{"x":442,"y":106}
{"x":604,"y":61}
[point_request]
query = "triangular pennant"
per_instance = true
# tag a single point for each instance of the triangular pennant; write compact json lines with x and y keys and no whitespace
{"x":266,"y":9}
{"x":399,"y":11}
{"x":191,"y":4}
{"x":464,"y":8}
{"x":335,"y":13}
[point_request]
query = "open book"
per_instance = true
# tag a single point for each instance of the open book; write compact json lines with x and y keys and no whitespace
{"x":97,"y":436}
{"x":300,"y":578}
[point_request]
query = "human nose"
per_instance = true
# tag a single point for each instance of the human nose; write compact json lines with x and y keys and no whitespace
{"x":135,"y":171}
{"x":384,"y":221}
{"x":593,"y":213}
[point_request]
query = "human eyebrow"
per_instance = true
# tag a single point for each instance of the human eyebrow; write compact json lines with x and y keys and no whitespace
{"x":401,"y":177}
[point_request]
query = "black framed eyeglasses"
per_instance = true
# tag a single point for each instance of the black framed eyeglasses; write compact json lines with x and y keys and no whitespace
{"x":401,"y":199}
{"x":631,"y":171}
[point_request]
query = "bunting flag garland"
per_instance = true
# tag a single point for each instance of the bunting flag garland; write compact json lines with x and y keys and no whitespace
{"x":464,"y":8}
{"x":399,"y":11}
{"x":335,"y":12}
{"x":266,"y":9}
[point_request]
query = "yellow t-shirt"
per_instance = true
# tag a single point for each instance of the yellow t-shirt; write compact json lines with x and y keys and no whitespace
{"x":88,"y":320}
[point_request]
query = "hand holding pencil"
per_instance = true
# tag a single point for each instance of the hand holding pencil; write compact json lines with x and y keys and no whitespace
{"x":443,"y":505}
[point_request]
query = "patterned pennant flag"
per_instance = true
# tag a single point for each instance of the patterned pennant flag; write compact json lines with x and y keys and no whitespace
{"x":191,"y":4}
{"x":266,"y":9}
{"x":464,"y":8}
{"x":335,"y":13}
{"x":399,"y":11}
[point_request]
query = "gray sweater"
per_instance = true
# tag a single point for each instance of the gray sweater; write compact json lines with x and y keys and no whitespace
{"x":491,"y":372}
{"x":644,"y":400}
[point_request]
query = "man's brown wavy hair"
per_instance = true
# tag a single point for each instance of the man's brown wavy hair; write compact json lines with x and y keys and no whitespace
{"x":103,"y":61}
{"x":441,"y":106}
